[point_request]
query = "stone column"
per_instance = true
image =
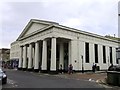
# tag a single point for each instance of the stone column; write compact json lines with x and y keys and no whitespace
{"x":36,"y":67}
{"x":24,"y":57}
{"x":33,"y":58}
{"x":30,"y":58}
{"x":20,"y":59}
{"x":107,"y":56}
{"x":61,"y":55}
{"x":74,"y":54}
{"x":69,"y":51}
{"x":53,"y":55}
{"x":114,"y":55}
{"x":44,"y":57}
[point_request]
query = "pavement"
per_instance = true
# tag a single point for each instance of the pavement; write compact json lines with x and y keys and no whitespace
{"x":98,"y":77}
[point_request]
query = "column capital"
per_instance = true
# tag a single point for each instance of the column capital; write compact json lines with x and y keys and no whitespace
{"x":31,"y":42}
{"x":44,"y":39}
{"x":36,"y":41}
{"x":26,"y":45}
{"x":53,"y":37}
{"x":21,"y":46}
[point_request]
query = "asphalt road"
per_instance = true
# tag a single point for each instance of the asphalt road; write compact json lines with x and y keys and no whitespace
{"x":25,"y":79}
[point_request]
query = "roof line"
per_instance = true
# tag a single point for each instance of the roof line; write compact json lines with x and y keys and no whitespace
{"x":84,"y":32}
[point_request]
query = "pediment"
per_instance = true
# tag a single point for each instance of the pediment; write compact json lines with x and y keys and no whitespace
{"x":33,"y":26}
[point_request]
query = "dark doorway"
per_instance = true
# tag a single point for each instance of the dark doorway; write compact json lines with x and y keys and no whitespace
{"x":66,"y":57}
{"x":40,"y":55}
{"x":57,"y":56}
{"x":48,"y":54}
{"x":96,"y":53}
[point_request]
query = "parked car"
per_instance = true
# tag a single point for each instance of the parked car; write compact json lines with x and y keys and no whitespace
{"x":3,"y":77}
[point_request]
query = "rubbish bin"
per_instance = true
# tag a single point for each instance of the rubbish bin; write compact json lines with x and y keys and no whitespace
{"x":113,"y":77}
{"x":119,"y":80}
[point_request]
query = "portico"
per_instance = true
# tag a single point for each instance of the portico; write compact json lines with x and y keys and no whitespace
{"x":45,"y":55}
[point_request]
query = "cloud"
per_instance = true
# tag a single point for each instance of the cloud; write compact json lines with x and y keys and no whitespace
{"x":73,"y":22}
{"x":96,"y":16}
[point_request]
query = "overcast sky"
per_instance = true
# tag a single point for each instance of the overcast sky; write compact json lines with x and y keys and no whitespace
{"x":95,"y":16}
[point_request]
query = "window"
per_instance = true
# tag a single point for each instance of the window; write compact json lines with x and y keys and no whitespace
{"x":110,"y":55}
{"x":104,"y":54}
{"x":96,"y":53}
{"x":87,"y":52}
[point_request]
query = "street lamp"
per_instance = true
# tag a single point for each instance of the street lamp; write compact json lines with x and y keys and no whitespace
{"x":108,"y":62}
{"x":82,"y":64}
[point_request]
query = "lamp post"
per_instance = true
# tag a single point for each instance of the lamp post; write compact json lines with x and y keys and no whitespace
{"x":108,"y":61}
{"x":82,"y":64}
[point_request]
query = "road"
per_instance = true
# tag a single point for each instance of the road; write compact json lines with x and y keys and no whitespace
{"x":25,"y":79}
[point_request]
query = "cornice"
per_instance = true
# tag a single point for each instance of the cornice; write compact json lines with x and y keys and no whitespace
{"x":85,"y":33}
{"x":54,"y":24}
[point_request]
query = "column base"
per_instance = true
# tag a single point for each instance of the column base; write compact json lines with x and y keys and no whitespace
{"x":24,"y":69}
{"x":53,"y":72}
{"x":44,"y":71}
{"x":29,"y":69}
{"x":36,"y":70}
{"x":19,"y":68}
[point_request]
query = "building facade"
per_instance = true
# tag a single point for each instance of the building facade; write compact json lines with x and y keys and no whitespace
{"x":4,"y":54}
{"x":45,"y":45}
{"x":15,"y":51}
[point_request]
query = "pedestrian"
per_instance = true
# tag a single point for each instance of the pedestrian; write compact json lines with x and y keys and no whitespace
{"x":93,"y":67}
{"x":61,"y":68}
{"x":70,"y":69}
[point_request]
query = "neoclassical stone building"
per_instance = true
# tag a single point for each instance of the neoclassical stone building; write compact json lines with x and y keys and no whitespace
{"x":44,"y":45}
